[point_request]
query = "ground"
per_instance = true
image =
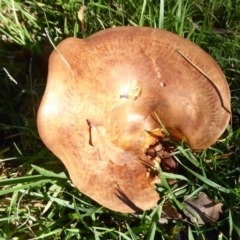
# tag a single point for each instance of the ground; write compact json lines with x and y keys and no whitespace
{"x":38,"y":201}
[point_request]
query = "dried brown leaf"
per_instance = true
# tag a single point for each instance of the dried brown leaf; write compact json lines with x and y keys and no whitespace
{"x":202,"y":209}
{"x":101,"y":139}
{"x":169,"y":212}
{"x":81,"y":13}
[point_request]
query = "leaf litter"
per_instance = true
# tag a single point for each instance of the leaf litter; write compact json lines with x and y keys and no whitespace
{"x":202,"y":209}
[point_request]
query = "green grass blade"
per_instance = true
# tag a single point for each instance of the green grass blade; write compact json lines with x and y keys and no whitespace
{"x":205,"y":180}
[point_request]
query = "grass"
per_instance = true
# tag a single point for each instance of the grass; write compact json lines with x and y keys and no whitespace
{"x":37,"y":199}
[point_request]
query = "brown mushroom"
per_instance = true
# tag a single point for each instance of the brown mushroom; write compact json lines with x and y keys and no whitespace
{"x":98,"y":113}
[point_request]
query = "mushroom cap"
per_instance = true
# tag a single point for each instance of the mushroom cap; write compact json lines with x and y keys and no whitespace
{"x":102,"y":96}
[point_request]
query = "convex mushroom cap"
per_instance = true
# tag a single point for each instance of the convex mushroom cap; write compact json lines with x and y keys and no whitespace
{"x":102,"y":97}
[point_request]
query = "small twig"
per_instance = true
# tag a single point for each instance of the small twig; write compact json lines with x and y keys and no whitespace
{"x":10,"y":77}
{"x":30,"y":73}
